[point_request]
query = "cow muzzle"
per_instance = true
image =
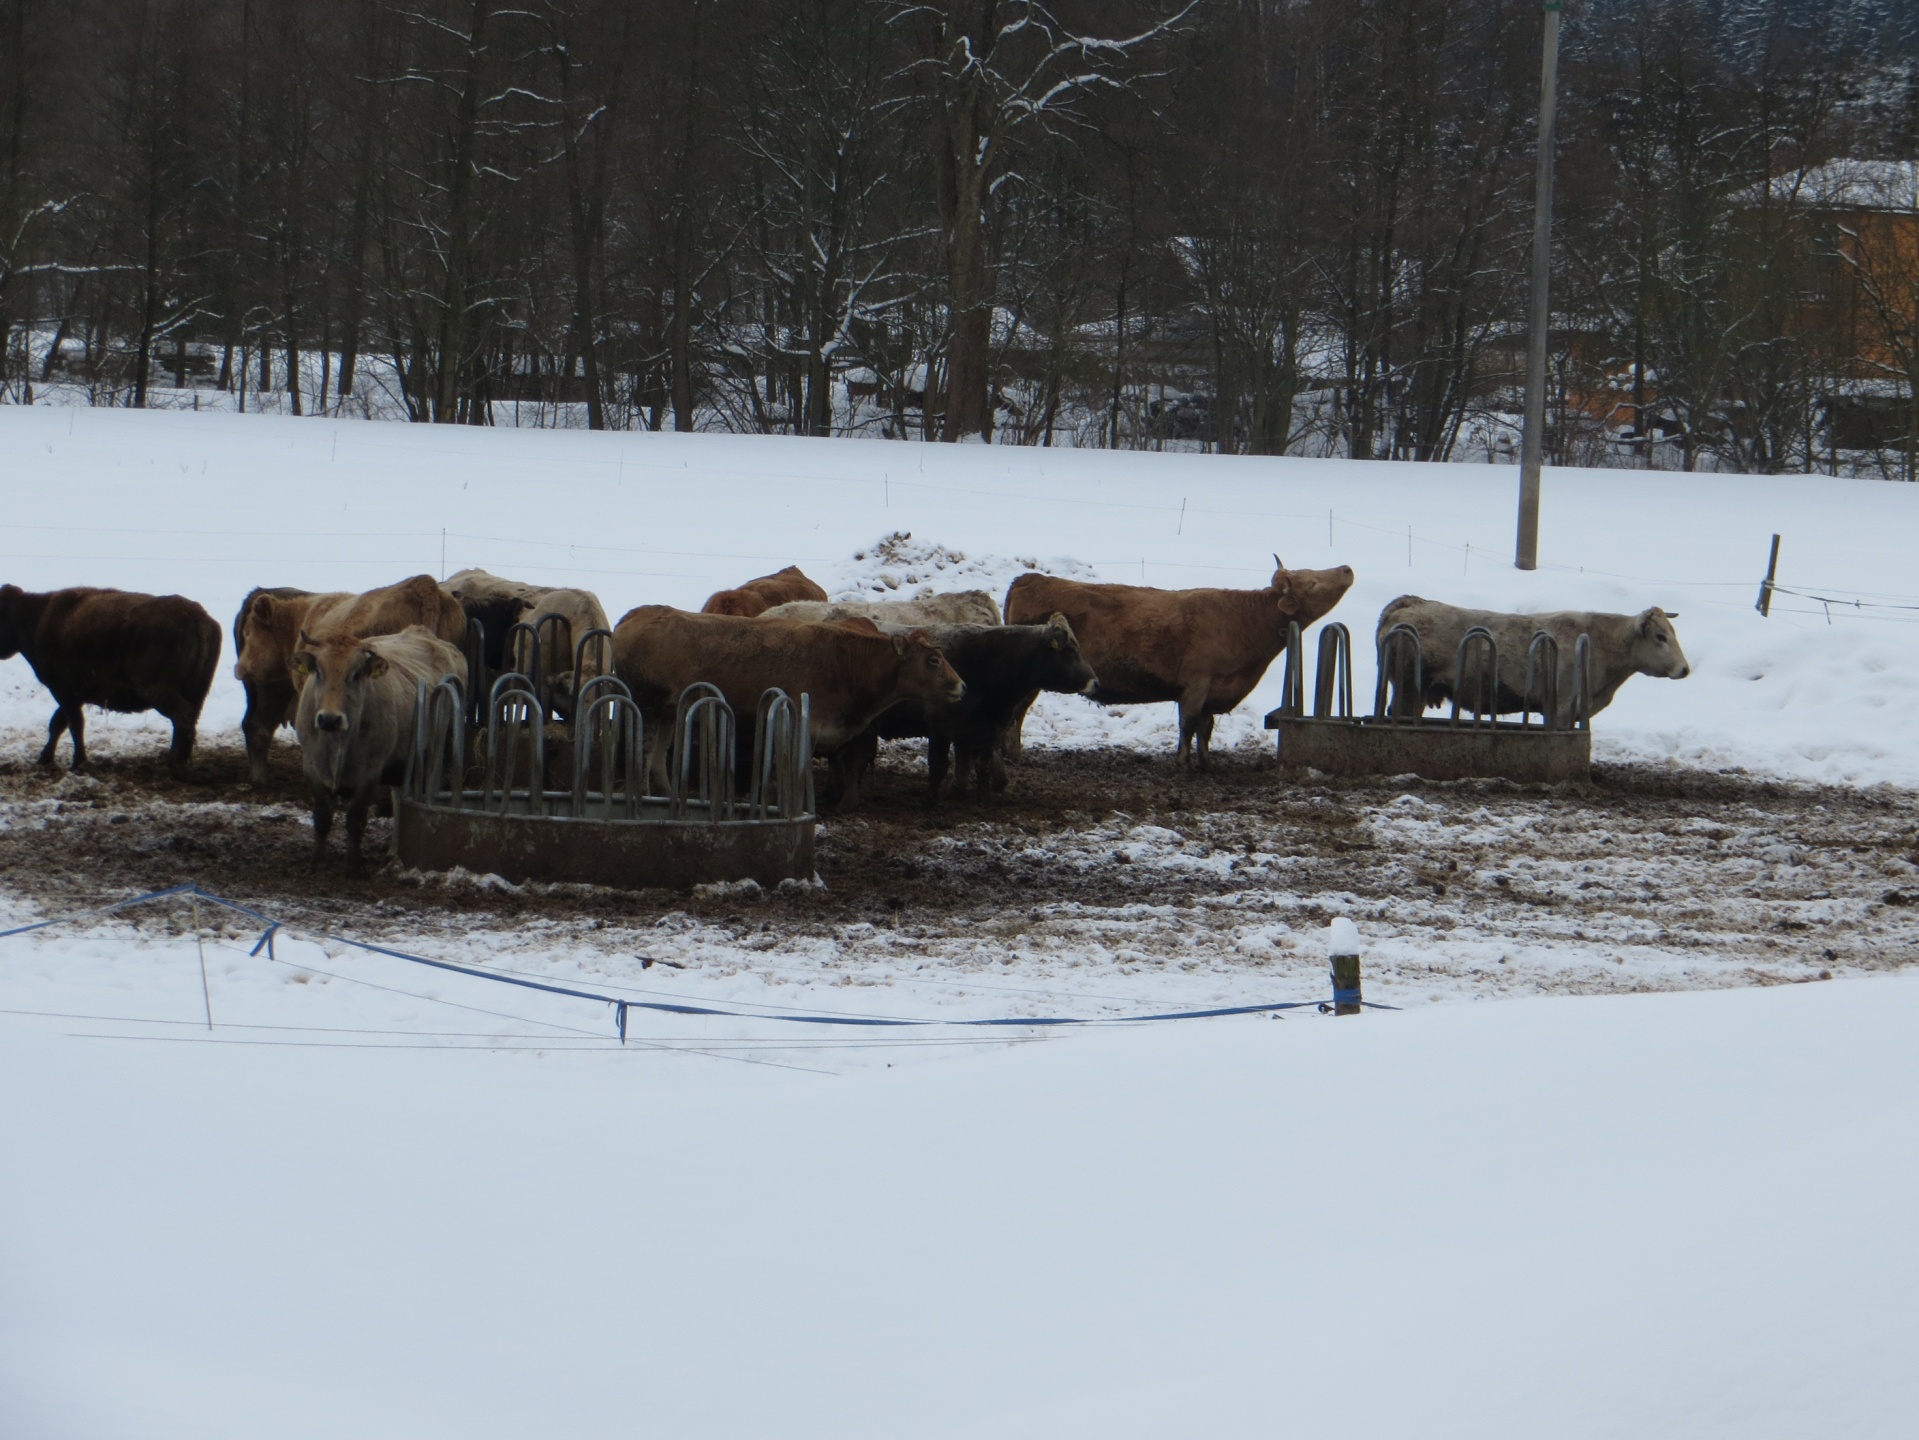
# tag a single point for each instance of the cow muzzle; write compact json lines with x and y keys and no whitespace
{"x":330,"y":720}
{"x":1090,"y":689}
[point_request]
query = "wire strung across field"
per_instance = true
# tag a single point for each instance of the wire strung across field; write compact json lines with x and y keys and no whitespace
{"x":621,"y":1004}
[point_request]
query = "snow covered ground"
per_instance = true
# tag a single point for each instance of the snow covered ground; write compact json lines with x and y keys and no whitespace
{"x":1654,"y":1216}
{"x":1646,"y":1215}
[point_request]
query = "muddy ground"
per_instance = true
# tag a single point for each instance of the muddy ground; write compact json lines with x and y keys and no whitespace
{"x":1646,"y":878}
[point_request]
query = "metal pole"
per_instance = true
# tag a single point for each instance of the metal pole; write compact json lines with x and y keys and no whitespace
{"x":1534,"y":442}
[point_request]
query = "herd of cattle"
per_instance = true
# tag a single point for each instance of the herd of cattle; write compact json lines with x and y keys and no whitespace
{"x":344,"y":669}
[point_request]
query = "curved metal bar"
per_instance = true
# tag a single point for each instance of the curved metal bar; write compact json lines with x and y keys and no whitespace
{"x":552,"y":644}
{"x":782,"y":758}
{"x":602,"y":640}
{"x":439,"y":725}
{"x":523,"y":640}
{"x":1542,"y":681}
{"x":703,"y":758}
{"x":1292,"y":683}
{"x":608,"y":731}
{"x":1333,"y":676}
{"x":516,"y":712}
{"x":475,"y":668}
{"x":1486,"y":705}
{"x":1401,"y":640}
{"x":1583,"y":683}
{"x":585,"y":695}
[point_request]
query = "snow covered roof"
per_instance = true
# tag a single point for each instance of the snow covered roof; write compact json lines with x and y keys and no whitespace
{"x":1851,"y":185}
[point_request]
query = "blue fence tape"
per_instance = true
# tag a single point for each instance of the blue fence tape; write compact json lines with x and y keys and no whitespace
{"x":622,"y":1006}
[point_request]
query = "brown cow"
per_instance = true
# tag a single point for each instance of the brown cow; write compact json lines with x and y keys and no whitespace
{"x":115,"y":649}
{"x":763,"y":594}
{"x":852,"y":672}
{"x":499,"y":604}
{"x":267,"y":633}
{"x":356,"y":718}
{"x":1206,"y":649}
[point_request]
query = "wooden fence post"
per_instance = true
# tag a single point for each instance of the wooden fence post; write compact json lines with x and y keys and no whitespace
{"x":1764,"y":607}
{"x":1342,"y":949}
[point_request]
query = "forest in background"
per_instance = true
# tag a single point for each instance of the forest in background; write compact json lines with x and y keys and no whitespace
{"x":1248,"y":226}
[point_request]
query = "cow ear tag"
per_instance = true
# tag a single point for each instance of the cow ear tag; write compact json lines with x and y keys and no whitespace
{"x":1055,"y":644}
{"x":899,"y":644}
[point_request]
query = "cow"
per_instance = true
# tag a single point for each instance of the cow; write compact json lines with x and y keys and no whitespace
{"x":116,"y":649}
{"x":1620,"y":646}
{"x":499,"y":604}
{"x":1205,"y":649}
{"x":269,"y":625}
{"x":1002,"y":666}
{"x":960,"y":607}
{"x":758,"y":596}
{"x":850,"y":670}
{"x":356,"y":718}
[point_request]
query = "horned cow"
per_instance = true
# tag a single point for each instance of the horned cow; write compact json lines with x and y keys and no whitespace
{"x":116,"y":649}
{"x":1205,"y":649}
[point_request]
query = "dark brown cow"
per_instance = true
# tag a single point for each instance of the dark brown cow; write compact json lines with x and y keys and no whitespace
{"x":758,"y":596}
{"x":851,"y":671}
{"x":356,"y":718}
{"x":115,"y":649}
{"x":1205,"y":649}
{"x":268,"y":629}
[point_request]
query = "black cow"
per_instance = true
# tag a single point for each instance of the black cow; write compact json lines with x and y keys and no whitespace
{"x":1002,"y":665}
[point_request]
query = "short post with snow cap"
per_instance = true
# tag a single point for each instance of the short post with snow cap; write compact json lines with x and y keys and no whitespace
{"x":1342,"y":949}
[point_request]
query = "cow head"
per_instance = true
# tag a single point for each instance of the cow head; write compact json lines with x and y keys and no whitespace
{"x":1655,"y":646}
{"x":335,"y":672}
{"x":924,"y":673}
{"x":1306,"y":595}
{"x":13,"y":623}
{"x":1062,"y":668}
{"x":266,"y":639}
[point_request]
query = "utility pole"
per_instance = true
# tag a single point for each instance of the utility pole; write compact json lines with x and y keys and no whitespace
{"x":1533,"y":445}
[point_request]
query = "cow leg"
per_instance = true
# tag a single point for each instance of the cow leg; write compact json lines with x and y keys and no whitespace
{"x":939,"y":750}
{"x":1195,"y":728}
{"x":356,"y":813}
{"x":77,"y":731}
{"x":55,"y":729}
{"x":322,"y":823}
{"x":186,"y":726}
{"x":1010,"y":737}
{"x":267,"y":708}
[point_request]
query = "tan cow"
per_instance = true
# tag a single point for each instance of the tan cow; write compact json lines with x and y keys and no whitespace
{"x":356,"y":718}
{"x":1205,"y":649}
{"x":498,"y":604}
{"x":851,"y":672}
{"x":757,"y":596}
{"x":267,"y":632}
{"x":1620,"y":647}
{"x":959,"y":607}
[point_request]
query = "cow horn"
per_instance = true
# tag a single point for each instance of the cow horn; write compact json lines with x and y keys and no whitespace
{"x":1672,"y":614}
{"x":306,"y":639}
{"x":1278,"y":564}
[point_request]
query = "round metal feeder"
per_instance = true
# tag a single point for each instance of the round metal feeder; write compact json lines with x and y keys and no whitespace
{"x":1399,"y":739}
{"x":603,"y":828}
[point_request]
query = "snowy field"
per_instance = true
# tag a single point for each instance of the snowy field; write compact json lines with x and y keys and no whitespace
{"x":1577,"y":1213}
